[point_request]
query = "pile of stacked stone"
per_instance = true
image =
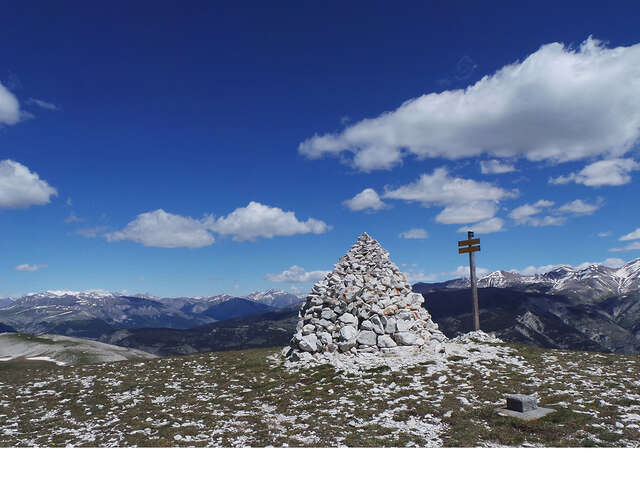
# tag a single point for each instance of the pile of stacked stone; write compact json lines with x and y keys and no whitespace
{"x":364,"y":305}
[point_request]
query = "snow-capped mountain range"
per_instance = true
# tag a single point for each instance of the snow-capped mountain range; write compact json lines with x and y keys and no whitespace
{"x":594,"y":281}
{"x":594,"y":308}
{"x":590,"y":308}
{"x":94,"y":312}
{"x":275,"y":298}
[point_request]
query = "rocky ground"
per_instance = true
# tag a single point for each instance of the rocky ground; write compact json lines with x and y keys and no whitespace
{"x":251,"y":398}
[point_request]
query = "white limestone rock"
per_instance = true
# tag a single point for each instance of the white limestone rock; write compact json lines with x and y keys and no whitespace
{"x":309,"y":343}
{"x":325,"y":338}
{"x":348,"y":333}
{"x":385,"y":341}
{"x":348,"y":319}
{"x":347,"y":345}
{"x":405,"y":338}
{"x":367,"y":337}
{"x":308,"y":329}
{"x":366,"y":325}
{"x":389,"y":325}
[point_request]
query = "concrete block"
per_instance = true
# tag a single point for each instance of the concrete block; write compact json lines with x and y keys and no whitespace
{"x":521,"y":403}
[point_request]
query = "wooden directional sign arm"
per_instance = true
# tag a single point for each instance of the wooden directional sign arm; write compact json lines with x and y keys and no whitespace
{"x":471,"y":241}
{"x":469,"y":249}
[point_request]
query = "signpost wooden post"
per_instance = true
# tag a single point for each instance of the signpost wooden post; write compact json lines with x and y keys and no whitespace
{"x":470,"y":246}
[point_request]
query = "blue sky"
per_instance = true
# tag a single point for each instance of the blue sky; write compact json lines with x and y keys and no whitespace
{"x":186,"y":148}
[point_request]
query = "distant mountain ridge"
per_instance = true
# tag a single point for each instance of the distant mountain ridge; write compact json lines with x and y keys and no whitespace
{"x":276,"y":298}
{"x":591,"y":308}
{"x":94,"y":313}
{"x":600,"y":280}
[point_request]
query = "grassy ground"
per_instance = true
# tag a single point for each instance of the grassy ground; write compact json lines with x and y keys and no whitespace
{"x":241,"y":398}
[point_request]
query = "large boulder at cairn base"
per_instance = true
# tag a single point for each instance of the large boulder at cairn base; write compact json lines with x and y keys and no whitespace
{"x":365,"y":304}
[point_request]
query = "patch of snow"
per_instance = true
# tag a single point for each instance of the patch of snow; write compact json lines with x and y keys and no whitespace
{"x":47,"y":359}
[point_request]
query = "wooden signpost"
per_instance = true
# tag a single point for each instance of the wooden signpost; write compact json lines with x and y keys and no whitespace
{"x":470,"y":246}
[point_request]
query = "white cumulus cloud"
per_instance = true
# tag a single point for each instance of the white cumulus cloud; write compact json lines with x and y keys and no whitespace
{"x":414,"y":233}
{"x":496,"y":167}
{"x":25,"y":267}
{"x":464,"y":200}
{"x":611,"y":172}
{"x":297,"y":274}
{"x":257,"y":220}
{"x":525,"y":214}
{"x":21,"y":188}
{"x":9,"y":107}
{"x":167,"y":230}
{"x":578,"y":207}
{"x":368,"y":199}
{"x":161,"y":229}
{"x":557,"y":104}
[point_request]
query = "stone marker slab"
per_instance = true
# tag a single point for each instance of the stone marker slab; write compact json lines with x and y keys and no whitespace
{"x":521,"y":403}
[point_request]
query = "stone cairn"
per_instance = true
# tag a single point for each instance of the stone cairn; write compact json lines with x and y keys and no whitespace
{"x":364,"y":305}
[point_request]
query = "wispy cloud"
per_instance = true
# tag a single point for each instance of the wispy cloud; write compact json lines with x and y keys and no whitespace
{"x":91,"y":232}
{"x":73,"y":219}
{"x":25,"y":267}
{"x":635,"y":235}
{"x":414,"y":233}
{"x":496,"y":167}
{"x":627,"y":247}
{"x":463,"y":271}
{"x":42,"y":104}
{"x":415,"y":276}
{"x":491,"y":225}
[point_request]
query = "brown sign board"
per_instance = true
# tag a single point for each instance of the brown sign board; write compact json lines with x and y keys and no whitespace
{"x":469,"y":249}
{"x":472,"y":241}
